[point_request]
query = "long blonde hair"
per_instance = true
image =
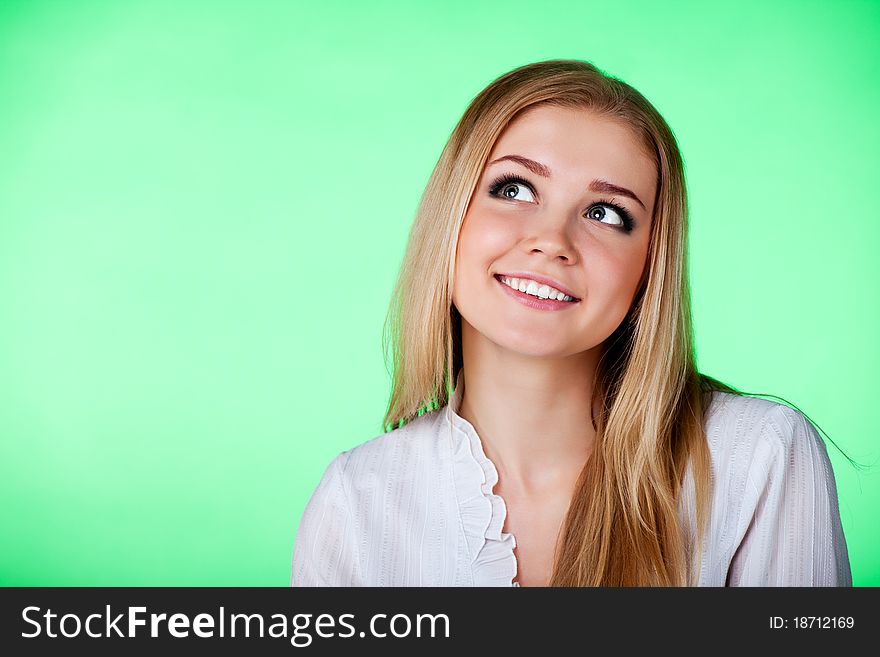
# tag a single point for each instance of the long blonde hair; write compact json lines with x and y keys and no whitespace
{"x":622,"y":526}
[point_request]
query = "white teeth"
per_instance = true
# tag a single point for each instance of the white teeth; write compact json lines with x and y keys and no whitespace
{"x":531,"y":287}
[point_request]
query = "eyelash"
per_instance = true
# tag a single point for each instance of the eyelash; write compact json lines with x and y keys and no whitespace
{"x":508,"y":178}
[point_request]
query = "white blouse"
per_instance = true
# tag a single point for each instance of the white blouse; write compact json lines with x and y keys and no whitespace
{"x":415,"y":507}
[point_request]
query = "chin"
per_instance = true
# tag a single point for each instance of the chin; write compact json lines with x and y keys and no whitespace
{"x":536,"y":346}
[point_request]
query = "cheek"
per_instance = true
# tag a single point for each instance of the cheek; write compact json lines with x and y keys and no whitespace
{"x":484,"y":237}
{"x":618,"y":275}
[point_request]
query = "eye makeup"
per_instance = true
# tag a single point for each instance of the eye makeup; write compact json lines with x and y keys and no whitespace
{"x":497,"y":185}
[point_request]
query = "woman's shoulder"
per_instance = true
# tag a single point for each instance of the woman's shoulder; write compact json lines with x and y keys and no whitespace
{"x":741,"y":429}
{"x":777,"y":515}
{"x":403,"y":453}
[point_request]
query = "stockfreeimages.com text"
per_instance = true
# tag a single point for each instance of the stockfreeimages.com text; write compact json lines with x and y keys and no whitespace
{"x":204,"y":625}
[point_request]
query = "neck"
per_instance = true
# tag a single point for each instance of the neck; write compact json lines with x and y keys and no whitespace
{"x":532,"y":413}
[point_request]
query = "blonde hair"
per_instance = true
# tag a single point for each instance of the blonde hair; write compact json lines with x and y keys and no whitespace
{"x":622,"y":526}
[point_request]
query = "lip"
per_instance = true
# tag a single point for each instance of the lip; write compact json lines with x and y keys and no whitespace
{"x":544,"y":280}
{"x":535,"y":302}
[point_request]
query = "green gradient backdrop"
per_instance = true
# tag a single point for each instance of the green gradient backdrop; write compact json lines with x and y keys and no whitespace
{"x":203,"y":206}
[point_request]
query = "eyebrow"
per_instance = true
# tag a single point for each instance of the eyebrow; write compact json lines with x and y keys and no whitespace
{"x":598,"y":185}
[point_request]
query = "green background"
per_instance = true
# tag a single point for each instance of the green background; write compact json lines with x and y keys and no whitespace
{"x":203,"y":207}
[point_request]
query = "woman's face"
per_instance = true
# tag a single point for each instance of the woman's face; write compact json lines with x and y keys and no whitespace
{"x":562,"y":225}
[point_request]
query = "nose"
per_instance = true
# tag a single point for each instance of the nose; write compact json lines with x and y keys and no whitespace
{"x":552,"y":239}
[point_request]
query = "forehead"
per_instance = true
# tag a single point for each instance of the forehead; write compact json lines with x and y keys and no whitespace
{"x":579,"y":142}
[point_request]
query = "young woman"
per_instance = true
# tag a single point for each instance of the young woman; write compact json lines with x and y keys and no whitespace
{"x":547,"y":425}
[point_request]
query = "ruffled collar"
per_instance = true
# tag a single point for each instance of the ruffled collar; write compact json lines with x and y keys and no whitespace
{"x":482,"y":512}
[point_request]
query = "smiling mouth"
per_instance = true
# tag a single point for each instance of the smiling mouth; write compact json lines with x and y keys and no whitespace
{"x":568,"y":300}
{"x":536,"y":302}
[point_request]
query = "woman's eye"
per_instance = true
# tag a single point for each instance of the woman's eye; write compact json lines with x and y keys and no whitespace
{"x":602,"y":212}
{"x":512,"y":189}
